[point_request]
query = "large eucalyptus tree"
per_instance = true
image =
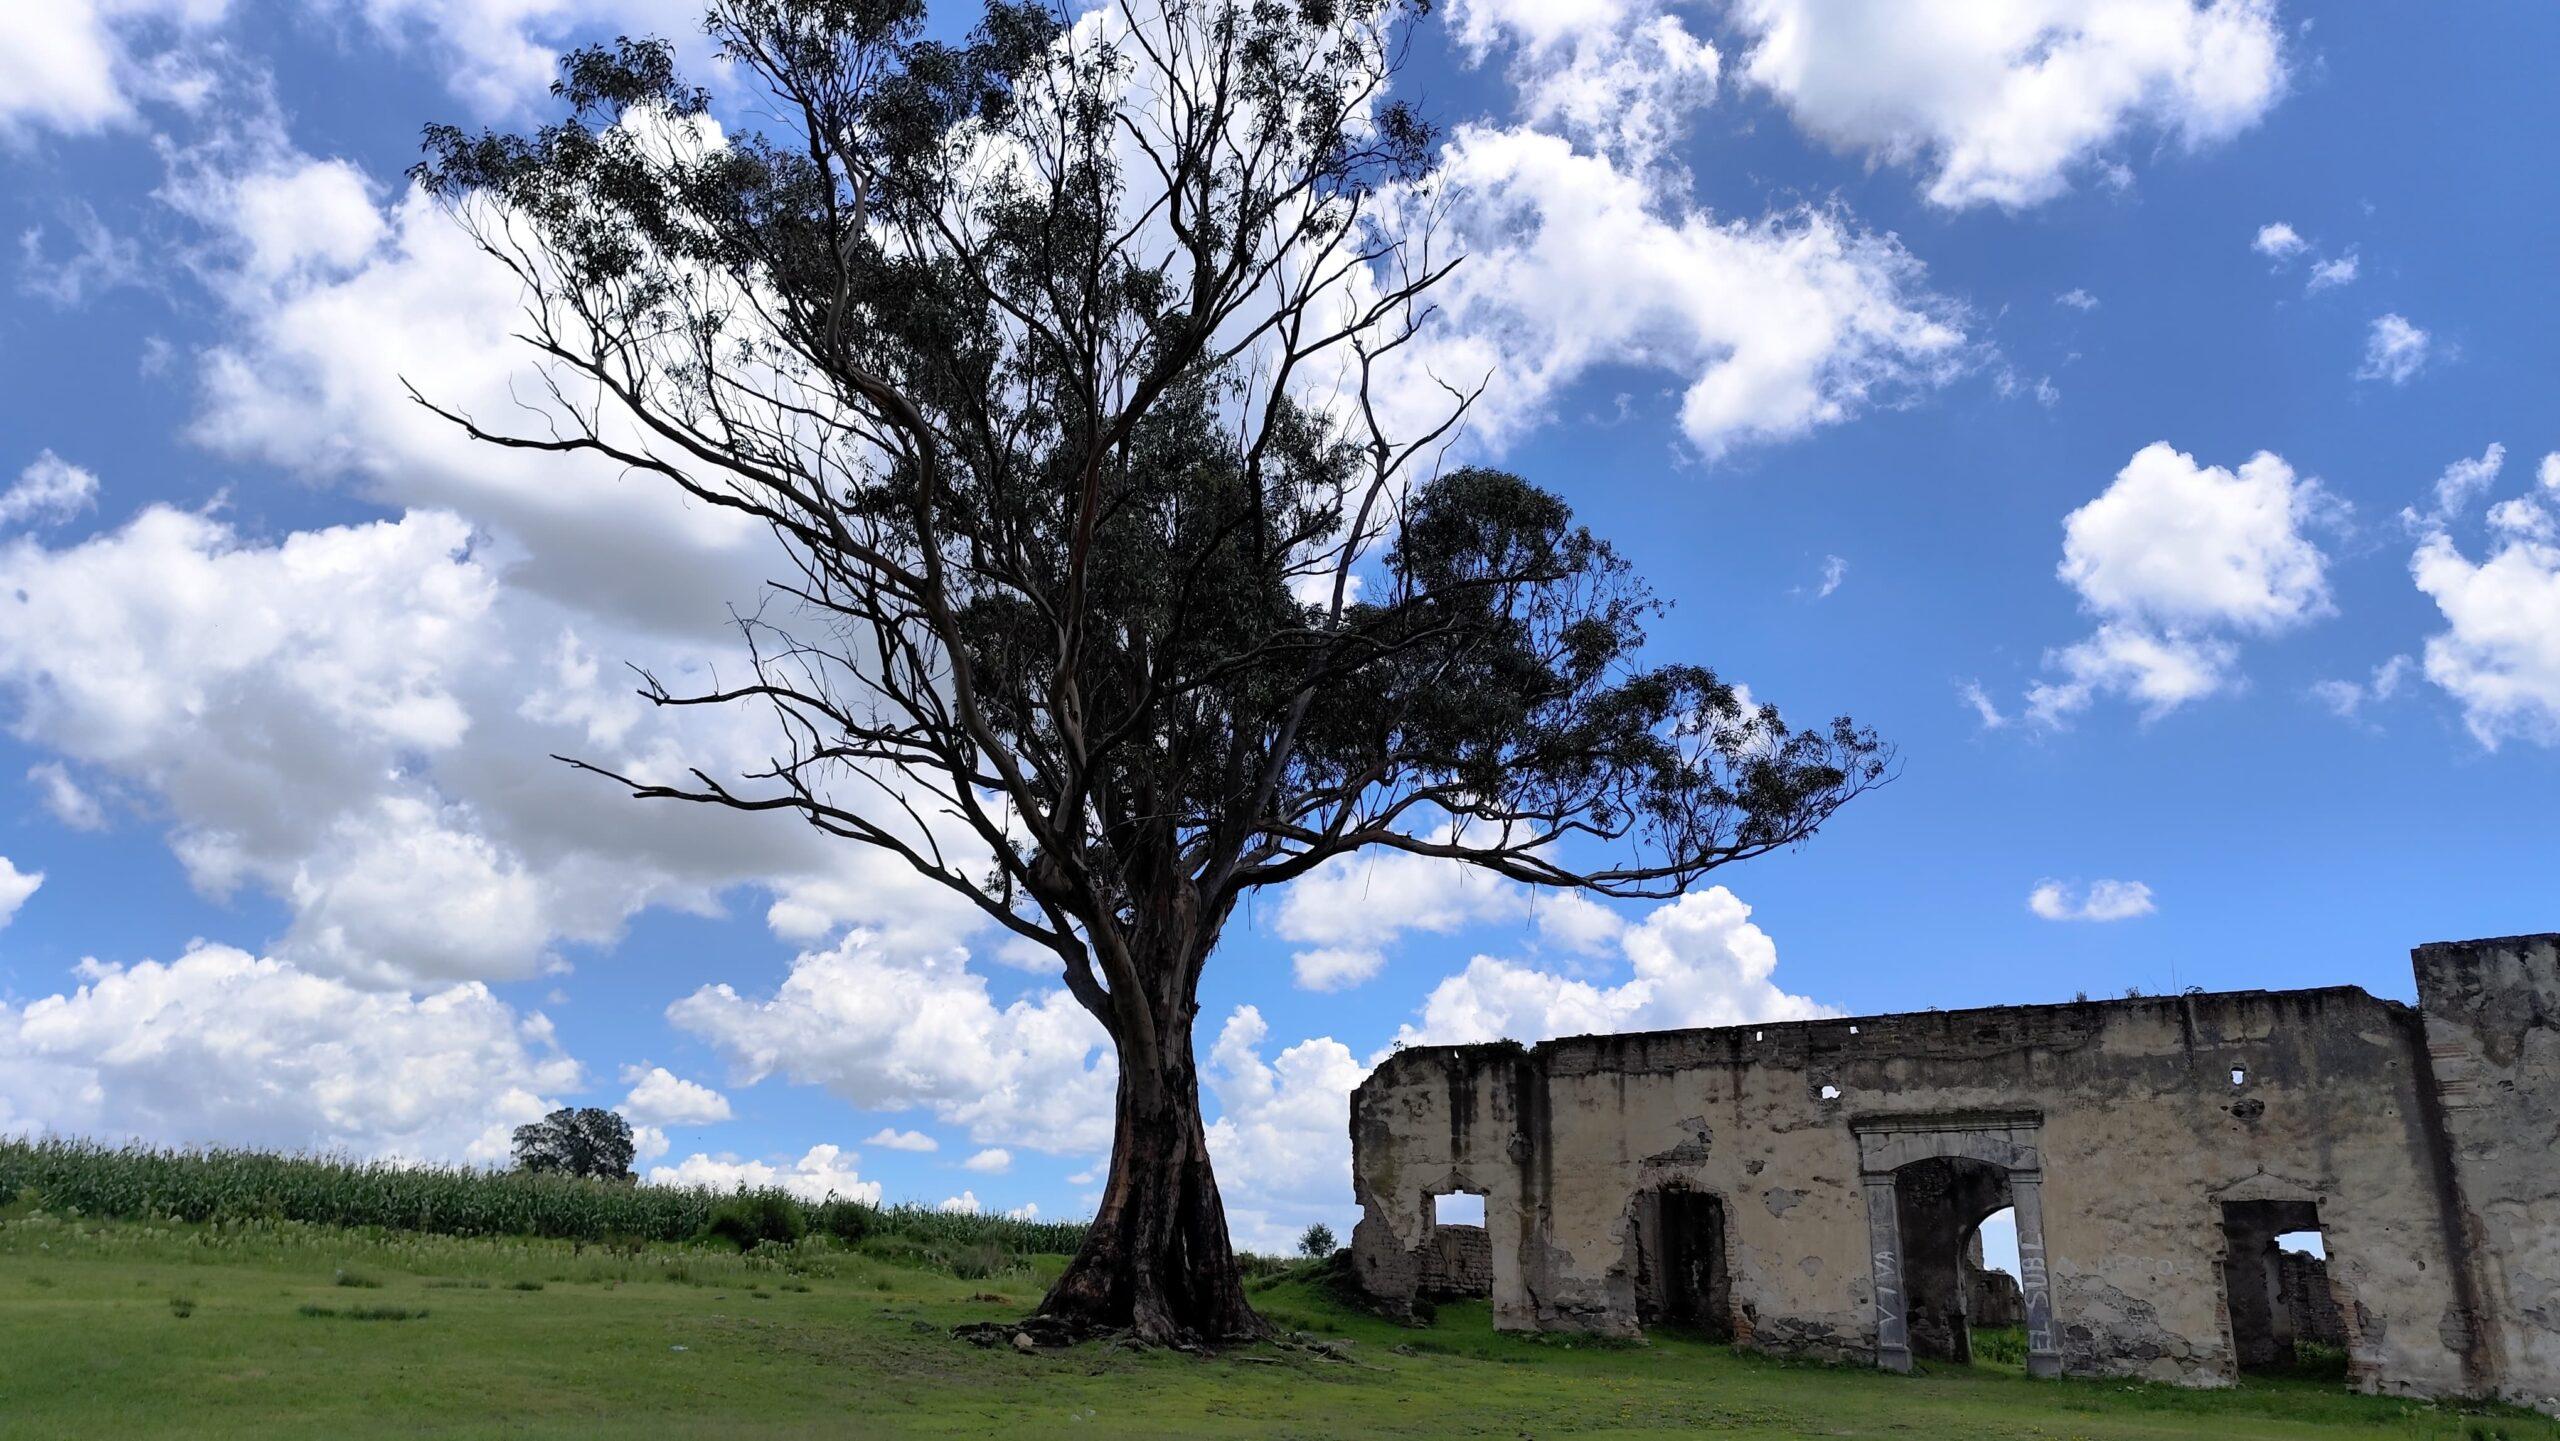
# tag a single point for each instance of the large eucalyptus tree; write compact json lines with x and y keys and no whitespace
{"x":1070,"y":368}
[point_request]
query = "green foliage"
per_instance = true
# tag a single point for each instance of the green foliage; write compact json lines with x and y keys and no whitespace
{"x":84,"y":1178}
{"x":754,"y":1218}
{"x":847,"y":1221}
{"x":584,"y":1141}
{"x":2000,"y":1346}
{"x":1316,"y":1241}
{"x":223,"y":1184}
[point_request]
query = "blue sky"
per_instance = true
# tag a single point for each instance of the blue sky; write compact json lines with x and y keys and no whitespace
{"x":2136,"y":410}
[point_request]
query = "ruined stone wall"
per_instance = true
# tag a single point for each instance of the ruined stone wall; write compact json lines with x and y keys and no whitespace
{"x":2144,"y":1135}
{"x":2308,"y":1300}
{"x":1457,"y":1261}
{"x":2493,"y":1037}
{"x":1995,"y":1299}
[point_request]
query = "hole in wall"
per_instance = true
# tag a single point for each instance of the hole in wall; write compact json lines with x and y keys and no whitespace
{"x":1830,"y":1093}
{"x":2239,"y":1077}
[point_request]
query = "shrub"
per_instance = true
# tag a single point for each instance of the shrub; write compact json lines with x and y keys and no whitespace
{"x":751,"y":1218}
{"x":847,"y":1221}
{"x":2000,"y":1346}
{"x":1317,"y":1241}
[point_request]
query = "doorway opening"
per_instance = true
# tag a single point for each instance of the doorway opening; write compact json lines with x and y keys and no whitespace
{"x":1682,"y":1276}
{"x":1943,"y":1203}
{"x":2285,"y":1316}
{"x":1456,"y":1259}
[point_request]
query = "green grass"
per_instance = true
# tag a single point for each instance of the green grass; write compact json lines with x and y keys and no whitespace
{"x":830,"y":1338}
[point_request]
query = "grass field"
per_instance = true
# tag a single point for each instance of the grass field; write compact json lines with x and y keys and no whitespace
{"x":267,"y":1328}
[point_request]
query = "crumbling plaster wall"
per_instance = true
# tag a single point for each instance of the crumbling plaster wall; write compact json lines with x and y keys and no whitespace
{"x":2144,"y":1134}
{"x":2493,"y":1032}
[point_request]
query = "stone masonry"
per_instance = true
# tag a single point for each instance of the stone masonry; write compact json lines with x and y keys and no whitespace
{"x":1814,"y":1188}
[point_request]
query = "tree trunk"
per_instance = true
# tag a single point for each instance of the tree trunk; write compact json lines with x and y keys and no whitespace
{"x":1157,"y":1261}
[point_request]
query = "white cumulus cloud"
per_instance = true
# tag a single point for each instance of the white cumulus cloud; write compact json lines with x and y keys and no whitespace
{"x":2395,"y":350}
{"x":1771,"y":327}
{"x":2331,"y":273}
{"x":659,"y":1097}
{"x":79,"y":66}
{"x":223,"y":1046}
{"x":1697,"y":961}
{"x":821,"y":1172}
{"x":2175,"y":559}
{"x":2346,"y":699}
{"x":2002,"y":101}
{"x":889,"y":1029}
{"x":2099,"y":901}
{"x":2278,"y":241}
{"x":889,"y":1138}
{"x":1619,"y":76}
{"x":15,"y":886}
{"x":70,"y":801}
{"x":50,"y":489}
{"x":1281,"y":1143}
{"x":1350,"y":909}
{"x":2499,"y":653}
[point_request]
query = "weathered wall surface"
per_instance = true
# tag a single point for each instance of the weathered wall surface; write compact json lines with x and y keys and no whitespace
{"x":2493,"y":1035}
{"x":2150,"y":1115}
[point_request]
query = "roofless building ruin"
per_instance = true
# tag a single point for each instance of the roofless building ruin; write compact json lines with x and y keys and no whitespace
{"x":1815,"y":1188}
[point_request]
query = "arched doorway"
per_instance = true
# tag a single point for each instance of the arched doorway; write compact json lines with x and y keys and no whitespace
{"x":1930,"y":1182}
{"x":1941,"y":1201}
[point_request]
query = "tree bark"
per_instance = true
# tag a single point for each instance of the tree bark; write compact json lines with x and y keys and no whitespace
{"x":1157,"y":1261}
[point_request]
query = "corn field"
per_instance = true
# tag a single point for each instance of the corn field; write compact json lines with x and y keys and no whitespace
{"x":215,"y":1184}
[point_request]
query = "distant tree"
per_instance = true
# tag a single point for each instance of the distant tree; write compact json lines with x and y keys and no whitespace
{"x":1318,"y":1240}
{"x":1111,"y":583}
{"x":577,"y":1141}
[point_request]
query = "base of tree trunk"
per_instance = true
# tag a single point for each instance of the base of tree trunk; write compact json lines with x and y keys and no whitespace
{"x":1157,"y":1264}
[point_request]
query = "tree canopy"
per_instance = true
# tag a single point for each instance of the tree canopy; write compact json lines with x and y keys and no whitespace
{"x":582,"y":1141}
